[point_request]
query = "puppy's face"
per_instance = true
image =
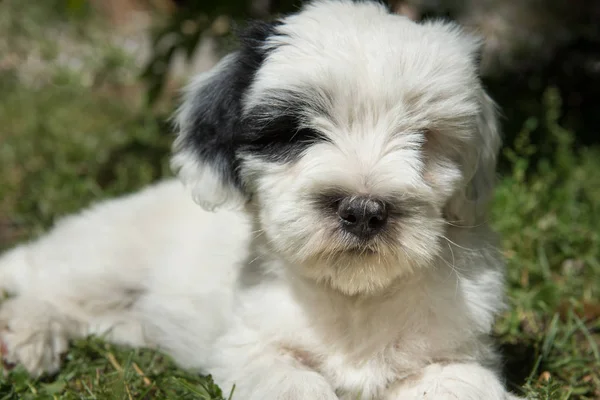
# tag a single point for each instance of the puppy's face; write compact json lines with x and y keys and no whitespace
{"x":351,"y":134}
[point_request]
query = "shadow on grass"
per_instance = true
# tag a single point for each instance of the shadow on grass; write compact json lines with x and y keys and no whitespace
{"x":519,"y":361}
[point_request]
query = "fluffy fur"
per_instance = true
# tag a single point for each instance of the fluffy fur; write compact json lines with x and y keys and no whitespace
{"x":271,"y":293}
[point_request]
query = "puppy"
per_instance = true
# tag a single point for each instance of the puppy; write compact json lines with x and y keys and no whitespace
{"x":350,"y":153}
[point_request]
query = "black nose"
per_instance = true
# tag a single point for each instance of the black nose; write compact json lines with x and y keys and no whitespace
{"x":362,"y":216}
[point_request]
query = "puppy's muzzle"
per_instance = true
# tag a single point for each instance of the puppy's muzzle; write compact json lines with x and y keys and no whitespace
{"x":362,"y":216}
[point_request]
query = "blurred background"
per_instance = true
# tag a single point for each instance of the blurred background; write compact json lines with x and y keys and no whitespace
{"x":87,"y":88}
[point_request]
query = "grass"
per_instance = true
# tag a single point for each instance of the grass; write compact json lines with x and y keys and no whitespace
{"x":549,"y":215}
{"x":66,"y":141}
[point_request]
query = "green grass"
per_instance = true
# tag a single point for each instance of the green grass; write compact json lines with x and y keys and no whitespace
{"x":66,"y":142}
{"x":549,"y":215}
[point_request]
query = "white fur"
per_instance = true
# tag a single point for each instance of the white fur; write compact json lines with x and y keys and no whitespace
{"x":202,"y":181}
{"x":269,"y":299}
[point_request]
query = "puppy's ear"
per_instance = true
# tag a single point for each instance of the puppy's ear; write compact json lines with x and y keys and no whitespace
{"x":469,"y":206}
{"x":208,"y":123}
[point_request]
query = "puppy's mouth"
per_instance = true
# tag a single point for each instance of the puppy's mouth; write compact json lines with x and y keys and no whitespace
{"x":337,"y":243}
{"x":346,"y":245}
{"x":358,"y":250}
{"x":361,"y":252}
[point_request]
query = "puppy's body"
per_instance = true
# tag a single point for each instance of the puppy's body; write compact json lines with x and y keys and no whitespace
{"x":156,"y":270}
{"x":359,"y":265}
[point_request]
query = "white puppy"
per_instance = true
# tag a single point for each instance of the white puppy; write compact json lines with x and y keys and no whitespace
{"x":351,"y":152}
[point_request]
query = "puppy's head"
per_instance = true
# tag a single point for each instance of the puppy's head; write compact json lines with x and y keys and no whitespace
{"x":353,"y":135}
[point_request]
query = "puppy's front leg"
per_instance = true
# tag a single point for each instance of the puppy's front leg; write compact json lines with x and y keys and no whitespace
{"x":265,"y":372}
{"x":280,"y":381}
{"x":464,"y":381}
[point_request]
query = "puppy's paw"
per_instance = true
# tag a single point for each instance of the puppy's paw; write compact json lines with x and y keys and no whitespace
{"x":30,"y":337}
{"x":452,"y":382}
{"x":298,"y":392}
{"x":286,"y":384}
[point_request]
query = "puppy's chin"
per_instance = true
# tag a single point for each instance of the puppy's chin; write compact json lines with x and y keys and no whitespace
{"x":365,"y":270}
{"x":352,"y":274}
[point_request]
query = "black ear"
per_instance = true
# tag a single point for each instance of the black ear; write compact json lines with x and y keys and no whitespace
{"x":208,"y":122}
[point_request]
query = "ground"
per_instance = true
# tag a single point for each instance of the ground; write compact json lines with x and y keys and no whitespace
{"x":74,"y":130}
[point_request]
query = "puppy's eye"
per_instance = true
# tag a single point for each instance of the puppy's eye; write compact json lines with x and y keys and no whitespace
{"x":329,"y":201}
{"x":280,"y":139}
{"x":285,"y":129}
{"x":289,"y":137}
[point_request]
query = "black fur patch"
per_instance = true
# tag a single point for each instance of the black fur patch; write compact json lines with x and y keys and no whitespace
{"x":274,"y":131}
{"x":277,"y":130}
{"x":215,"y":130}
